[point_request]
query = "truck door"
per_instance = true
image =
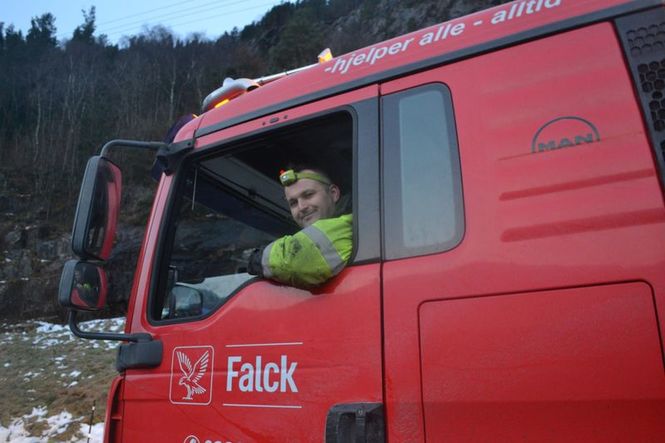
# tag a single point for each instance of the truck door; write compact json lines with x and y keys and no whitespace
{"x":524,"y":248}
{"x":247,"y":359}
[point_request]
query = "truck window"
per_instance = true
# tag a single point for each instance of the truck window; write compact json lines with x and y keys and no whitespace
{"x":229,"y":201}
{"x":422,"y":184}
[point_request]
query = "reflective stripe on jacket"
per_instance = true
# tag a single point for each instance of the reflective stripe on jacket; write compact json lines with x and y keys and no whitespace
{"x":311,"y":256}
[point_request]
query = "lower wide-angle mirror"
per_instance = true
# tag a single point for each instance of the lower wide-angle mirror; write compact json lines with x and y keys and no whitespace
{"x":83,"y":286}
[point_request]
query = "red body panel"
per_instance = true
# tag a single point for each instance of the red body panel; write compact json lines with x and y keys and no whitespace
{"x":114,"y":412}
{"x":547,"y":365}
{"x":337,"y":351}
{"x":333,"y":337}
{"x":570,"y":217}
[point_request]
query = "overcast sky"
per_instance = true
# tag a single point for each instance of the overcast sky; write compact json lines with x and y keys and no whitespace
{"x":116,"y":18}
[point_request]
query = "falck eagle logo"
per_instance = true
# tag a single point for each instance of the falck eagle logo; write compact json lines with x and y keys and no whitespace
{"x":191,"y":383}
{"x":192,"y":374}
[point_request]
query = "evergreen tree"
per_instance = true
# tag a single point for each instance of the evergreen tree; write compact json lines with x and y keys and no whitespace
{"x":84,"y":33}
{"x":42,"y":33}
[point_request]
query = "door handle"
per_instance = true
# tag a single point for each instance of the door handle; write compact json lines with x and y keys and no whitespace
{"x":355,"y":422}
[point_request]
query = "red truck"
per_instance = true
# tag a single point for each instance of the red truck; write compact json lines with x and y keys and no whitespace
{"x":506,"y":171}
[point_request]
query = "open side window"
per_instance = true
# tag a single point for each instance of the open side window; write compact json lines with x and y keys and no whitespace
{"x":228,"y":202}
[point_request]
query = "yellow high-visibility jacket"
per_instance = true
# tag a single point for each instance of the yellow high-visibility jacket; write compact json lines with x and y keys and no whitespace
{"x":311,"y":256}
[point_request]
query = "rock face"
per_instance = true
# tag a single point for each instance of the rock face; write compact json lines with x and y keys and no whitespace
{"x":32,"y":258}
{"x":33,"y":250}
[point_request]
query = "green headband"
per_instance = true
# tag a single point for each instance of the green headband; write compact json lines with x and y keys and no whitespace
{"x":287,"y":178}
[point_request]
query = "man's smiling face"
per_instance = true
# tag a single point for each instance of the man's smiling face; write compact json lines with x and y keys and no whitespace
{"x":310,"y":200}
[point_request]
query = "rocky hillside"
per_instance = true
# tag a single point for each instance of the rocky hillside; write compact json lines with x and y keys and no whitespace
{"x":32,"y":251}
{"x":35,"y":243}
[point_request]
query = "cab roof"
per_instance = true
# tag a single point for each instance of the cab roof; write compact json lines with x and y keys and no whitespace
{"x":463,"y":37}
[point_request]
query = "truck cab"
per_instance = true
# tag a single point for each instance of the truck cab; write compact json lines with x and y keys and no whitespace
{"x":505,"y":175}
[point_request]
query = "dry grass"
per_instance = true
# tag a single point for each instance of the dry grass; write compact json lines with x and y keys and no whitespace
{"x":44,"y":366}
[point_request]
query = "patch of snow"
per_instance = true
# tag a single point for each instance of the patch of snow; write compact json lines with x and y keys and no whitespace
{"x":45,"y":327}
{"x":16,"y":433}
{"x":29,"y":375}
{"x":6,"y":365}
{"x":96,"y":433}
{"x":58,"y":424}
{"x":55,"y":426}
{"x":75,"y":374}
{"x":47,"y":343}
{"x":38,"y":412}
{"x":49,"y":335}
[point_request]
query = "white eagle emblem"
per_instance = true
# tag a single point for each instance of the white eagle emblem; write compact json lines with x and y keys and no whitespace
{"x":191,"y":375}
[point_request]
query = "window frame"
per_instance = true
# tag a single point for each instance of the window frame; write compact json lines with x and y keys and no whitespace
{"x":164,"y":248}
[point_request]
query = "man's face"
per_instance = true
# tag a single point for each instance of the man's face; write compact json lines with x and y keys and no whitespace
{"x":310,"y":200}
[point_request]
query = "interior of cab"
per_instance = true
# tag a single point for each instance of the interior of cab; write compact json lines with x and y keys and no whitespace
{"x":230,"y":202}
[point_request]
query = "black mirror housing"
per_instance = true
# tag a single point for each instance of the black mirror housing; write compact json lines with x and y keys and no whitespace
{"x":97,"y":210}
{"x":83,"y":286}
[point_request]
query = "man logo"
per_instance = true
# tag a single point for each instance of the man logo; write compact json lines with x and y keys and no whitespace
{"x":564,"y":132}
{"x":191,"y":375}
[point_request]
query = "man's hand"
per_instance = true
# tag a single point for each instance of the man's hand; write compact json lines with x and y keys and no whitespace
{"x":254,"y":266}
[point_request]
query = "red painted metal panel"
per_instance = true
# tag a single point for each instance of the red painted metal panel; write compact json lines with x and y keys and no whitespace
{"x":284,"y":117}
{"x":307,"y":350}
{"x":310,"y":351}
{"x":573,"y":364}
{"x":114,"y":412}
{"x":136,"y":320}
{"x":587,"y":214}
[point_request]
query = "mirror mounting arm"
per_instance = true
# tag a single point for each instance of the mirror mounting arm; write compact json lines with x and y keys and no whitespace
{"x":154,"y":146}
{"x":141,"y":352}
{"x":168,"y":155}
{"x":73,"y":325}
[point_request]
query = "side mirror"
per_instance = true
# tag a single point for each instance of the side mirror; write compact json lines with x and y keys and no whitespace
{"x":97,"y":210}
{"x":183,"y":301}
{"x":83,"y":286}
